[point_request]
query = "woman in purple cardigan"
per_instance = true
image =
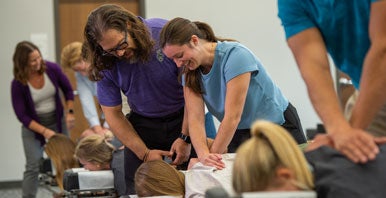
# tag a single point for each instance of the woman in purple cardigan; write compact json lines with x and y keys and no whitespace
{"x":37,"y":104}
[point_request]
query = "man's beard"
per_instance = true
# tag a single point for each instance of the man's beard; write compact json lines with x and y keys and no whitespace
{"x":133,"y":59}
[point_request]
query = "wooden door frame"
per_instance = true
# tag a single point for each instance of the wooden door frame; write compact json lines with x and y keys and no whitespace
{"x":61,"y":34}
{"x":57,"y":21}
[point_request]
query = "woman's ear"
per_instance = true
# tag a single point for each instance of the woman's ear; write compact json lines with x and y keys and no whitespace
{"x":284,"y":173}
{"x":284,"y":180}
{"x":194,"y":40}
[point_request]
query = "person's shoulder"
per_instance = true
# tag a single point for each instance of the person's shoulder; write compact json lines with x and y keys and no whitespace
{"x":52,"y":68}
{"x":15,"y":83}
{"x":52,"y":65}
{"x":231,"y":44}
{"x":281,"y":3}
{"x":226,"y":45}
{"x":154,"y":22}
{"x":234,"y":48}
{"x":325,"y":154}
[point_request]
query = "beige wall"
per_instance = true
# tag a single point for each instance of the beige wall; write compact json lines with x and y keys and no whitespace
{"x":19,"y":19}
{"x":255,"y":24}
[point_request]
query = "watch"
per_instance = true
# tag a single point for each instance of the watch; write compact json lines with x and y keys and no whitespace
{"x":71,"y":111}
{"x":185,"y":138}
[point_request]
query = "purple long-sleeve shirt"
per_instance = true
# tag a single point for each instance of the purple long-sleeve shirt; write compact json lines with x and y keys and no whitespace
{"x":24,"y":106}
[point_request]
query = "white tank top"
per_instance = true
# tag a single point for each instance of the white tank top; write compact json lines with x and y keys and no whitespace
{"x":43,"y":98}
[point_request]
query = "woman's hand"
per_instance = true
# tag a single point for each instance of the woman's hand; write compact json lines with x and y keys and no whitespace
{"x":212,"y":159}
{"x":70,"y":121}
{"x":48,"y":133}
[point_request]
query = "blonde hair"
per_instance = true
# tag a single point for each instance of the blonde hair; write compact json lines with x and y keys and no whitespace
{"x":71,"y":54}
{"x":157,"y":178}
{"x":60,"y":149}
{"x":95,"y":149}
{"x":269,"y":148}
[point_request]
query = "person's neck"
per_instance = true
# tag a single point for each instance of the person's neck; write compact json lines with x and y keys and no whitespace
{"x":34,"y":73}
{"x":211,"y":52}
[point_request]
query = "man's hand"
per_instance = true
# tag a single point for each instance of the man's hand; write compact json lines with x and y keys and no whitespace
{"x":182,"y":151}
{"x":380,"y":140}
{"x":156,"y":155}
{"x":318,"y":141}
{"x":356,"y":144}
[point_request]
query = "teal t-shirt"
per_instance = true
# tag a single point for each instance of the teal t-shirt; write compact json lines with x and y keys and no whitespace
{"x":264,"y":99}
{"x":342,"y":23}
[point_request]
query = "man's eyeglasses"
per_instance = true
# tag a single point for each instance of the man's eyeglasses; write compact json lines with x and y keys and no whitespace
{"x":121,"y":46}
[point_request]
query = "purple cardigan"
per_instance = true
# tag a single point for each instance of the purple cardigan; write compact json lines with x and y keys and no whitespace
{"x":23,"y":104}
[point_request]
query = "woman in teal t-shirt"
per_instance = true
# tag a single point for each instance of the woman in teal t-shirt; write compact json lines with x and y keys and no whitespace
{"x":232,"y":83}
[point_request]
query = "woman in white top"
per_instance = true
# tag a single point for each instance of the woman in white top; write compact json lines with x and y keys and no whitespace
{"x":158,"y":178}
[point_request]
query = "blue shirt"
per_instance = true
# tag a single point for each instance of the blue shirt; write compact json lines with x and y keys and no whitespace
{"x":152,"y":88}
{"x":87,"y":91}
{"x":343,"y":24}
{"x":264,"y":99}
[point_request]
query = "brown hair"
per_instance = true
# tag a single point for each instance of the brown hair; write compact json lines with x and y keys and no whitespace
{"x":20,"y":61}
{"x":269,"y":148}
{"x":157,"y":178}
{"x":179,"y":31}
{"x":60,"y":149}
{"x":71,"y":54}
{"x":110,"y":16}
{"x":85,"y":53}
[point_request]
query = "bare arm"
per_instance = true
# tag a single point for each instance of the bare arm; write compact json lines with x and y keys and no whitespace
{"x":42,"y":130}
{"x":237,"y":89}
{"x":311,"y":57}
{"x":194,"y":106}
{"x":179,"y":146}
{"x":373,"y":80}
{"x":196,"y":123}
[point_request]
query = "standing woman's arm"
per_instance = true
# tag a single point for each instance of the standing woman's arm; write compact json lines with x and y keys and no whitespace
{"x":196,"y":122}
{"x":236,"y":94}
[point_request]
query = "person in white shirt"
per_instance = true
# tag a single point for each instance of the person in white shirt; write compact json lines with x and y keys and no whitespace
{"x":75,"y":56}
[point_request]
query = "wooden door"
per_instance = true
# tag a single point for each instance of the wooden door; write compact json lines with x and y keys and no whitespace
{"x":70,"y":19}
